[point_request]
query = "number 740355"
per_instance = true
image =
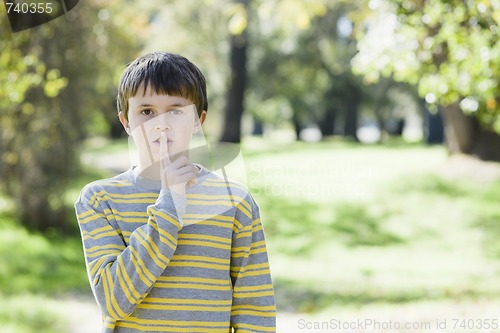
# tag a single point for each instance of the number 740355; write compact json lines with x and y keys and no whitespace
{"x":30,"y":8}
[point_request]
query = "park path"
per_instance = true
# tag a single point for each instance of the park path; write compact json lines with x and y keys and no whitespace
{"x":85,"y":317}
{"x":425,"y":316}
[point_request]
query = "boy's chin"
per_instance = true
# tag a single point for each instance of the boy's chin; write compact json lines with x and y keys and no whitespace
{"x":173,"y":154}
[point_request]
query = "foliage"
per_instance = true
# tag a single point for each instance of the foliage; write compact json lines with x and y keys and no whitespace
{"x":451,"y":49}
{"x":201,"y":30}
{"x":57,"y":85}
{"x":287,"y":71}
{"x":38,"y":264}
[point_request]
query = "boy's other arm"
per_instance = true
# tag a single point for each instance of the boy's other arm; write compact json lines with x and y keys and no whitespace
{"x":253,"y":308}
{"x":121,"y":276}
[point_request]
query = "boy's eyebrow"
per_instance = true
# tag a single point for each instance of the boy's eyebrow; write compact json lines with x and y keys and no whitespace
{"x":144,"y":104}
{"x":150,"y":105}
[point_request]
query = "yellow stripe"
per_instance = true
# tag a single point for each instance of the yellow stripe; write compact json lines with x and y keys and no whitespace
{"x":98,"y":230}
{"x":208,"y":217}
{"x":252,"y":313}
{"x":244,"y":234}
{"x":106,"y":194}
{"x":197,"y":265}
{"x":152,"y":249}
{"x":105,"y":287}
{"x":225,"y":225}
{"x":226,"y":199}
{"x":193,"y":279}
{"x":211,"y":203}
{"x":253,"y":288}
{"x":108,"y":252}
{"x":105,"y":246}
{"x":174,"y":285}
{"x":210,"y":308}
{"x":201,"y":258}
{"x":94,"y":267}
{"x":254,"y":307}
{"x":163,"y":328}
{"x":89,"y":219}
{"x":253,"y":328}
{"x":111,"y":233}
{"x":187,"y":301}
{"x":252,"y":273}
{"x":128,"y":287}
{"x":132,"y":219}
{"x":85,"y":214}
{"x":205,"y":237}
{"x":128,"y":214}
{"x":117,"y":308}
{"x":113,"y":307}
{"x":238,"y":224}
{"x":252,"y":266}
{"x":203,"y":243}
{"x":245,"y":211}
{"x":253,"y":295}
{"x":222,"y":183}
{"x":178,"y":323}
{"x":255,"y":245}
{"x":164,"y":216}
{"x":142,"y":270}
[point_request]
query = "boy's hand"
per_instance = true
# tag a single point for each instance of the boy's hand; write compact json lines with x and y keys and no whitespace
{"x":175,"y":175}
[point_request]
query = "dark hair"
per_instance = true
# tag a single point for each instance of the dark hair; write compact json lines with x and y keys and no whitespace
{"x":166,"y":74}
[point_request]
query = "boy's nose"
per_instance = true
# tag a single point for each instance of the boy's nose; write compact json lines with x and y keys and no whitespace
{"x":162,"y":122}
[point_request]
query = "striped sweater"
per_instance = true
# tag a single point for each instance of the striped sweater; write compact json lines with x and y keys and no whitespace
{"x":153,"y":271}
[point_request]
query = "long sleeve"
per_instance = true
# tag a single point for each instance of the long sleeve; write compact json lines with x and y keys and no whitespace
{"x":121,"y":274}
{"x":253,"y":308}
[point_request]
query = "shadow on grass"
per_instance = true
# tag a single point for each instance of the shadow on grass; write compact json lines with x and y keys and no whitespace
{"x":482,"y":200}
{"x":31,"y":314}
{"x":430,"y":184}
{"x":488,"y":219}
{"x":297,"y":227}
{"x":297,"y":297}
{"x":263,"y":147}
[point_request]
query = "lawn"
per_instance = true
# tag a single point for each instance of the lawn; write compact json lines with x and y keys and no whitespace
{"x":353,"y":231}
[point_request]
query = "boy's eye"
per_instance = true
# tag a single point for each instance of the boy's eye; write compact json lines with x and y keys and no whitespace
{"x":176,"y":112}
{"x":147,"y":112}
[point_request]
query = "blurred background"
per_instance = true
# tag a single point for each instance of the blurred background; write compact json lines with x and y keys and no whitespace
{"x":369,"y":130}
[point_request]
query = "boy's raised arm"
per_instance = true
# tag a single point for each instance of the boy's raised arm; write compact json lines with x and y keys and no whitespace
{"x":120,"y":275}
{"x":253,"y":308}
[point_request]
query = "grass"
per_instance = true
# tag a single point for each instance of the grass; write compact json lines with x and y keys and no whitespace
{"x":31,"y":314}
{"x":359,"y":225}
{"x":34,"y":263}
{"x":347,"y":225}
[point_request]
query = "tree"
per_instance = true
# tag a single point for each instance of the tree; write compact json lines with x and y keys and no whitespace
{"x":451,"y":50}
{"x":302,"y":55}
{"x":235,"y":99}
{"x":56,"y":87}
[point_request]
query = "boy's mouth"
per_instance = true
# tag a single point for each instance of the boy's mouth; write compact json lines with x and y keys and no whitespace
{"x":157,"y":141}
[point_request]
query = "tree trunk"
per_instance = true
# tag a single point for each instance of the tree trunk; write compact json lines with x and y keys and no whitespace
{"x":459,"y":129}
{"x":236,"y":92}
{"x":351,"y":124}
{"x":351,"y":117}
{"x":327,"y":125}
{"x":433,"y":126}
{"x":464,"y":135}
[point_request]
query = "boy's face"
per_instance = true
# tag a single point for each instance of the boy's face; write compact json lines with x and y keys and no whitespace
{"x":150,"y":114}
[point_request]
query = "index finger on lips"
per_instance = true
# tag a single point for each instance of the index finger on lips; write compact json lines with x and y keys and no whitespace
{"x":164,"y":156}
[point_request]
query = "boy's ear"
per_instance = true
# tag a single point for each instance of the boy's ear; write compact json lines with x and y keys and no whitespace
{"x":200,"y":121}
{"x":125,"y":123}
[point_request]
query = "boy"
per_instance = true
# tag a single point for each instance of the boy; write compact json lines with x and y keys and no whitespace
{"x":170,"y":246}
